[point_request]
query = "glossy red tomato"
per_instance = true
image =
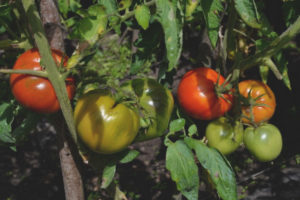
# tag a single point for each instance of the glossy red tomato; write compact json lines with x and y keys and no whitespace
{"x":197,"y":94}
{"x":262,"y":99}
{"x":34,"y":92}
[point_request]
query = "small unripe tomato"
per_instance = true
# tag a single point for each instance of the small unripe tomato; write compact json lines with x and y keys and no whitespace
{"x":264,"y":142}
{"x":224,"y":136}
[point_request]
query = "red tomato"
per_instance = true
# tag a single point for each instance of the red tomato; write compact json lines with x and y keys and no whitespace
{"x":37,"y":93}
{"x":198,"y":97}
{"x":263,"y":100}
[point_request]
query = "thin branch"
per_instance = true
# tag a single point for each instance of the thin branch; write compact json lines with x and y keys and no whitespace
{"x":43,"y":74}
{"x":273,"y":48}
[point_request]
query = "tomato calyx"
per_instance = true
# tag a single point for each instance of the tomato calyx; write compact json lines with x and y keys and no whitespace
{"x":249,"y":102}
{"x":224,"y":88}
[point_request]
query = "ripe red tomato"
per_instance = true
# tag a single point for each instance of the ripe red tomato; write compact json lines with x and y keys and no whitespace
{"x":198,"y":97}
{"x":37,"y":93}
{"x":262,"y":96}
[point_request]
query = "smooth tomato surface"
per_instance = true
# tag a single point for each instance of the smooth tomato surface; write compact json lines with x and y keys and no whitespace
{"x":224,"y":136}
{"x":197,"y":96}
{"x":34,"y":92}
{"x":102,"y":125}
{"x":264,"y":142}
{"x":157,"y":105}
{"x":266,"y":99}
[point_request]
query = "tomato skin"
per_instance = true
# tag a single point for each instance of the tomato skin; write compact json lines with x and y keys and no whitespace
{"x":224,"y":136}
{"x":37,"y":93}
{"x":102,"y":125}
{"x":197,"y":96}
{"x":157,"y":102}
{"x":263,"y":142}
{"x":261,"y":113}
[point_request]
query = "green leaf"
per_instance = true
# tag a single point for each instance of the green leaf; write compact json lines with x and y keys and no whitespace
{"x":108,"y":175}
{"x":264,"y":71}
{"x":177,"y":125}
{"x":107,"y":163}
{"x":248,"y":12}
{"x":128,"y":156}
{"x":184,"y":171}
{"x":171,"y":19}
{"x":142,"y":16}
{"x":74,"y":5}
{"x":291,"y":10}
{"x":6,"y":119}
{"x":28,"y":124}
{"x":210,"y":11}
{"x":90,"y":27}
{"x":282,"y":65}
{"x":192,"y":130}
{"x":111,"y":8}
{"x":124,"y":4}
{"x":63,"y":7}
{"x":217,"y":167}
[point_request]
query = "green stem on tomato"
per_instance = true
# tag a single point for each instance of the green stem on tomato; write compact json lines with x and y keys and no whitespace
{"x":269,"y":62}
{"x":273,"y":48}
{"x":43,"y":74}
{"x":50,"y":66}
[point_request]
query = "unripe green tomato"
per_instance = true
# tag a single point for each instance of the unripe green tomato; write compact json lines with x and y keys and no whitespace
{"x":224,"y":136}
{"x":263,"y":142}
{"x":157,"y":103}
{"x":103,"y":125}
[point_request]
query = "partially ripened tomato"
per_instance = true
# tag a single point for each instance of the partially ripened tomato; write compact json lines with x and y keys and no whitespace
{"x":156,"y":103}
{"x":37,"y":93}
{"x":104,"y":125}
{"x":199,"y":94}
{"x":223,"y":135}
{"x":262,"y":101}
{"x":264,"y":142}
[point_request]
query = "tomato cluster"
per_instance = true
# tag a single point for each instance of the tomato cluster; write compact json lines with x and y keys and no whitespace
{"x":203,"y":94}
{"x":104,"y":123}
{"x":107,"y":126}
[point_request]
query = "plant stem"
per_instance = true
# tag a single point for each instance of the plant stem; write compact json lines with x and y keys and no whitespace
{"x":50,"y":66}
{"x":71,"y":176}
{"x":273,"y":48}
{"x":43,"y":74}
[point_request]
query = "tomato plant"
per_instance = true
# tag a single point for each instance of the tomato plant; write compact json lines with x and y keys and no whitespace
{"x":224,"y":135}
{"x":199,"y":95}
{"x":264,"y":142}
{"x":103,"y":125}
{"x":156,"y":104}
{"x":260,"y":102}
{"x":37,"y":93}
{"x":111,"y":42}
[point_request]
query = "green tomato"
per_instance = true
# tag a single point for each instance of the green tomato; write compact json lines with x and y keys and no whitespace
{"x":156,"y":104}
{"x":223,"y":135}
{"x":263,"y":142}
{"x":103,"y":125}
